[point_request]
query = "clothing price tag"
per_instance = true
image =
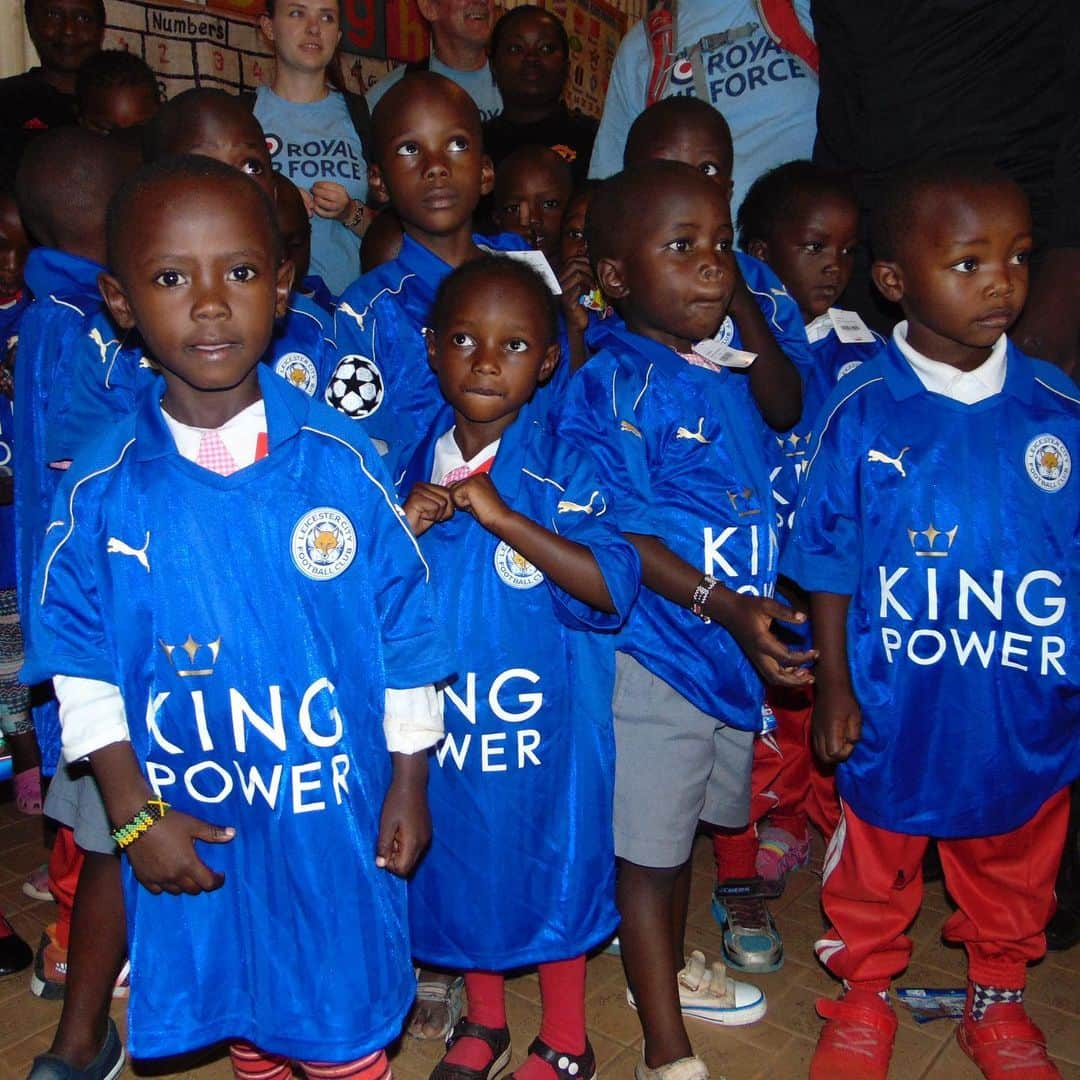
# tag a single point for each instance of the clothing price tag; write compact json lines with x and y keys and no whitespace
{"x":849,"y":327}
{"x":719,"y":356}
{"x":538,"y":261}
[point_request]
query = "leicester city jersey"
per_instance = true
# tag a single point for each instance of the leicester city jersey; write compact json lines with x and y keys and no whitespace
{"x":954,"y":529}
{"x":302,"y":348}
{"x":253,"y":623}
{"x":684,"y":459}
{"x":10,"y":316}
{"x":521,"y":867}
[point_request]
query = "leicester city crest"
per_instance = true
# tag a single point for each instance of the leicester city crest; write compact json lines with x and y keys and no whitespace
{"x":299,"y":371}
{"x":726,"y":332}
{"x":323,"y":543}
{"x":514,"y":569}
{"x":1048,"y":462}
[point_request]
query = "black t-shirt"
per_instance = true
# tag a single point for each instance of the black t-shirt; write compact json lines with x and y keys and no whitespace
{"x":28,"y":105}
{"x":569,"y":134}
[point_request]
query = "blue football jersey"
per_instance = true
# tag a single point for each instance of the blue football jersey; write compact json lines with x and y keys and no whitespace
{"x":302,"y":350}
{"x":955,"y":530}
{"x":521,"y":867}
{"x":253,"y":623}
{"x":683,"y":456}
{"x":10,"y":316}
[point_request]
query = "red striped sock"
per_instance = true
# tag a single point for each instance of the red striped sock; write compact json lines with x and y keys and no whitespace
{"x":250,"y":1063}
{"x":373,"y":1067}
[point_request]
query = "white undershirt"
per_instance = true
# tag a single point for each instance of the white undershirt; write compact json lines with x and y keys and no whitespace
{"x":967,"y":387}
{"x":92,"y":712}
{"x":448,"y":456}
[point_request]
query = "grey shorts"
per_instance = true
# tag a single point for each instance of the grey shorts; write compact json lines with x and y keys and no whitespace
{"x":674,"y":766}
{"x":74,"y":799}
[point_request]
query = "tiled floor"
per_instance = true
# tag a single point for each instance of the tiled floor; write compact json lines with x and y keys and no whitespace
{"x":777,"y":1048}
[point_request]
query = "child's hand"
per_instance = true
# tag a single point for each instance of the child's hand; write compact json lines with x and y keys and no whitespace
{"x":427,"y":505}
{"x":330,"y":200}
{"x":576,"y":280}
{"x":165,"y":860}
{"x":837,"y":723}
{"x":478,"y":495}
{"x":749,"y":621}
{"x":404,"y":828}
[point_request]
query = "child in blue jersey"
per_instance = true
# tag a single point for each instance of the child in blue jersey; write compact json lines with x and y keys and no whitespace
{"x":936,"y":533}
{"x":229,"y":564}
{"x":429,"y":162}
{"x":301,"y":349}
{"x":521,"y":869}
{"x":683,"y":458}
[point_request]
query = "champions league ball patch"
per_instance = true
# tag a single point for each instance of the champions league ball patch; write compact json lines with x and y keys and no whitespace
{"x":356,"y":387}
{"x":323,"y":543}
{"x":299,"y":371}
{"x":1048,"y":462}
{"x":726,"y":332}
{"x":514,"y":569}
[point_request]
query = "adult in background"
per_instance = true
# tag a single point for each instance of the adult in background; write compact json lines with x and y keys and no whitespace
{"x":459,"y":41}
{"x":751,"y":59}
{"x":314,"y":133}
{"x":65,"y":33}
{"x":530,"y":58}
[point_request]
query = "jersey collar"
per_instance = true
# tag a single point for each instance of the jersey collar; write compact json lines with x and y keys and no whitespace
{"x":903,"y":383}
{"x":51,"y":271}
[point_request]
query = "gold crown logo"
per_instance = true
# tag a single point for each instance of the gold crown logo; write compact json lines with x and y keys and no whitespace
{"x":742,"y":502}
{"x":190,"y":649}
{"x":928,"y":547}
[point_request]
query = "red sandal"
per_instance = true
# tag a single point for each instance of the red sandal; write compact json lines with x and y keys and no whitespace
{"x":856,"y":1042}
{"x":1006,"y":1044}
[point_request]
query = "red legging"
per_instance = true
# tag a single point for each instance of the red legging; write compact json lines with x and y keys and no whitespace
{"x":251,"y":1064}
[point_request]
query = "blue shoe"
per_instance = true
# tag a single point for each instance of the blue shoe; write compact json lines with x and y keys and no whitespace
{"x":751,"y":940}
{"x":108,"y":1064}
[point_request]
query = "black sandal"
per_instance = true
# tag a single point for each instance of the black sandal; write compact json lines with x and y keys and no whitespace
{"x":497,"y":1040}
{"x":566,"y":1066}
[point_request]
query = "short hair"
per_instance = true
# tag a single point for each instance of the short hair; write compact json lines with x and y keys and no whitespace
{"x":773,"y":196}
{"x":168,"y":170}
{"x":99,"y":6}
{"x":271,"y":5}
{"x":113,"y":67}
{"x":500,"y":267}
{"x":668,"y":114}
{"x":537,"y":156}
{"x":892,"y":218}
{"x":500,"y":28}
{"x":388,"y":106}
{"x":175,"y":119}
{"x":65,"y":180}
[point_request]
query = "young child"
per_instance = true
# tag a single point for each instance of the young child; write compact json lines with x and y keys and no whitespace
{"x":521,"y":869}
{"x":683,"y":459}
{"x":301,"y":349}
{"x":295,"y":225}
{"x":115,"y":89}
{"x":231,"y":554}
{"x":428,"y":161}
{"x":936,"y":533}
{"x":532,"y":187}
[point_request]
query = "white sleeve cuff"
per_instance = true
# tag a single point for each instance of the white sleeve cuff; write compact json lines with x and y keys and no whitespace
{"x":413,"y":720}
{"x":91,"y":715}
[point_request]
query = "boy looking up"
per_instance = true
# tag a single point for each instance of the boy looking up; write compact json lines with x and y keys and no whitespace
{"x":936,"y":533}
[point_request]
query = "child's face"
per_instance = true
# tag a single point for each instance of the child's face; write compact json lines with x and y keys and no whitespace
{"x":813,"y":251}
{"x":304,"y":33}
{"x":295,"y":227}
{"x":572,"y":240}
{"x":235,"y":139}
{"x":14,"y":247}
{"x":676,"y":276}
{"x":706,"y":150}
{"x":530,"y":199}
{"x":961,"y":271}
{"x":202,"y":283}
{"x":492,"y":350}
{"x":107,"y":109}
{"x":65,"y":32}
{"x":433,"y":168}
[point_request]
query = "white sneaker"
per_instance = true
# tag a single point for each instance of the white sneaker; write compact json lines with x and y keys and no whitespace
{"x":709,"y":994}
{"x":689,"y":1068}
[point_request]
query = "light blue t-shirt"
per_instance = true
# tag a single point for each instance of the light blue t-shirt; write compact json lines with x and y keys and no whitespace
{"x":311,"y":141}
{"x":767,"y":95}
{"x":478,"y":84}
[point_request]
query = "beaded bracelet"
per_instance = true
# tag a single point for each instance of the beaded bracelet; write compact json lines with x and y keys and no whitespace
{"x":357,"y":215}
{"x":701,"y":594}
{"x":151,"y":813}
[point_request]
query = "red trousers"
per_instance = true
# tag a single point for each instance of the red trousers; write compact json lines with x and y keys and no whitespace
{"x":65,"y":865}
{"x":1003,"y":886}
{"x":789,"y":784}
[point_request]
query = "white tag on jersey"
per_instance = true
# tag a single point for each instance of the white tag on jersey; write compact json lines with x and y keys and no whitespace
{"x":723,"y":356}
{"x":538,"y":261}
{"x":849,"y":327}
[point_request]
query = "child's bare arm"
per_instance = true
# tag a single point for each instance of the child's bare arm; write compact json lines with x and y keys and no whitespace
{"x":774,"y":379}
{"x":747,"y":618}
{"x":164,"y":857}
{"x":569,"y":565}
{"x":576,"y":279}
{"x":405,"y":824}
{"x":837,"y":722}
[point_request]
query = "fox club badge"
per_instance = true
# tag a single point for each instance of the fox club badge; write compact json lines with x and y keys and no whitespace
{"x":1048,"y":462}
{"x":323,"y":543}
{"x":298,"y":370}
{"x":514,"y":569}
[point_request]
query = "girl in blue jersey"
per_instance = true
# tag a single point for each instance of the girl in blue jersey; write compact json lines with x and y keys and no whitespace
{"x":227,"y":568}
{"x":521,"y":868}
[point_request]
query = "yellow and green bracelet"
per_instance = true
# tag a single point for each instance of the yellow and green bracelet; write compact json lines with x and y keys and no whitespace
{"x":151,"y":813}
